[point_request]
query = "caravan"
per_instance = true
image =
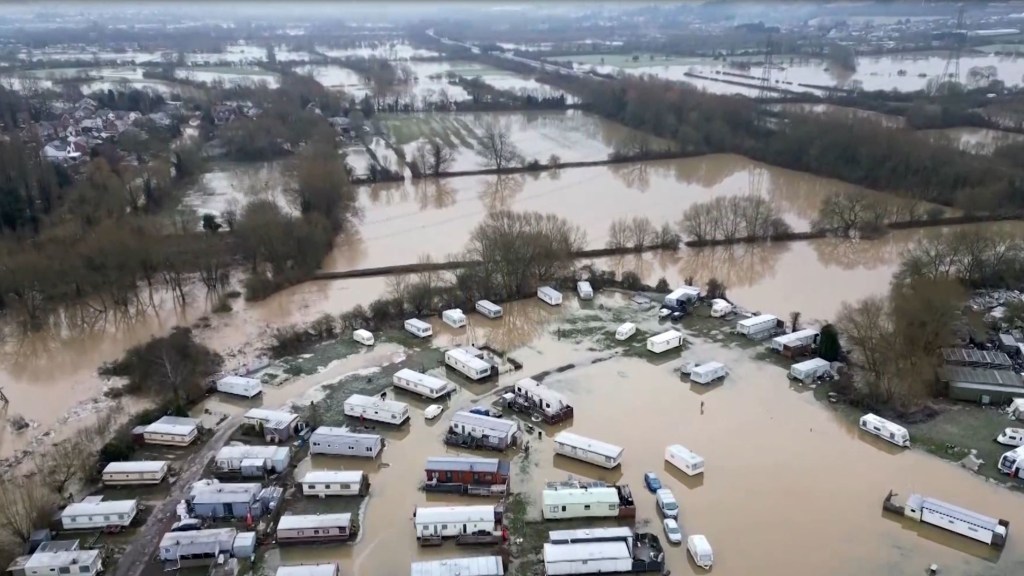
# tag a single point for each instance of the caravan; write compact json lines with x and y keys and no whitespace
{"x":364,"y":337}
{"x":489,"y":309}
{"x":708,"y":372}
{"x":588,"y":450}
{"x":720,"y":308}
{"x":684,"y":459}
{"x":665,"y":341}
{"x":454,"y":318}
{"x":810,"y":370}
{"x":469,"y":361}
{"x":1011,"y":437}
{"x":625,"y":332}
{"x":239,"y":386}
{"x":426,"y":386}
{"x":886,"y":430}
{"x":585,"y":291}
{"x":418,"y":328}
{"x":757,"y":326}
{"x":682,"y":296}
{"x":575,"y":499}
{"x":373,"y":408}
{"x":549,"y":295}
{"x":795,"y":343}
{"x":531,"y":396}
{"x":1012,"y":462}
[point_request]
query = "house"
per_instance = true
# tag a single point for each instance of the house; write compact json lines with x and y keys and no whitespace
{"x":94,"y":512}
{"x":135,"y":472}
{"x":76,"y":150}
{"x":208,"y":544}
{"x":467,"y":475}
{"x":58,"y":557}
{"x":293,"y":528}
{"x":55,"y":151}
{"x":172,"y":431}
{"x":341,"y":442}
{"x":276,"y":426}
{"x":253,"y":461}
{"x":335,"y":483}
{"x":309,"y":570}
{"x":226,"y":500}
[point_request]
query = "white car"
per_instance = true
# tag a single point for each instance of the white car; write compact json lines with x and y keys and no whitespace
{"x":672,"y":531}
{"x":433,"y":411}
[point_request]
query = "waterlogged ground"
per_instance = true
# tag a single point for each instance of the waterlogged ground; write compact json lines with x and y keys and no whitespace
{"x":229,"y":75}
{"x":387,"y":50}
{"x":816,"y":479}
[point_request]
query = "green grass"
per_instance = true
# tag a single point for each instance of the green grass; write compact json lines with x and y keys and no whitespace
{"x":967,"y":427}
{"x":527,"y":536}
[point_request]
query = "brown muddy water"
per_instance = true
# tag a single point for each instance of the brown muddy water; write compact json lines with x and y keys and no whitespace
{"x":790,"y":488}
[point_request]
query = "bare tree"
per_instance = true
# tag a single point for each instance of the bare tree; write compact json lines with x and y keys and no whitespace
{"x":25,"y":505}
{"x":64,"y":461}
{"x":497,"y":149}
{"x":794,"y":320}
{"x":618,"y":234}
{"x":433,"y":157}
{"x":698,"y":222}
{"x":642,"y":232}
{"x":848,"y":213}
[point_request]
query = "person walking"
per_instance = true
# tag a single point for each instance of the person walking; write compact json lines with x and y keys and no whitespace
{"x":701,"y":407}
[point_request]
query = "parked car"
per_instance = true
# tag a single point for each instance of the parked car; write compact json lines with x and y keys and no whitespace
{"x":652,"y":482}
{"x":664,"y":313}
{"x":480,"y":410}
{"x":672,"y":531}
{"x":433,"y":411}
{"x":677,"y":315}
{"x":187,"y":525}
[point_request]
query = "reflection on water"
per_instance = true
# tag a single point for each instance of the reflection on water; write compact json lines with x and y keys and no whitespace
{"x":500,"y":192}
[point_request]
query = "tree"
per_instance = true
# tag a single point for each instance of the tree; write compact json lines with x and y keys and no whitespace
{"x":642,"y":233}
{"x":715,"y":288}
{"x":433,"y":157}
{"x":497,"y":149}
{"x":662,"y":287}
{"x":210,"y":223}
{"x":829,"y":347}
{"x":618,"y":234}
{"x":847,"y":213}
{"x":794,"y":320}
{"x":322,"y":185}
{"x":25,"y":505}
{"x":175,"y":367}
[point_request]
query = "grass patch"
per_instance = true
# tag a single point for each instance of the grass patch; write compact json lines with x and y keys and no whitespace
{"x":527,"y":537}
{"x":966,"y":427}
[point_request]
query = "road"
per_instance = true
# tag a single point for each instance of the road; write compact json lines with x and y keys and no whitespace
{"x":143,"y":547}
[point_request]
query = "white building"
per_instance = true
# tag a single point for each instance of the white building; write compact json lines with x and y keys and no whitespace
{"x":498,"y":433}
{"x":135,"y":472}
{"x":422,"y":384}
{"x":172,"y":431}
{"x":341,"y":442}
{"x":334,"y":483}
{"x":665,"y":341}
{"x":240,"y":386}
{"x":489,"y":309}
{"x":454,"y":318}
{"x":589,"y":450}
{"x":373,"y":408}
{"x":579,"y":500}
{"x":451,"y":521}
{"x":469,"y":362}
{"x":475,"y":566}
{"x":268,"y":458}
{"x":66,"y":558}
{"x":549,"y":295}
{"x":587,"y":558}
{"x":94,"y":512}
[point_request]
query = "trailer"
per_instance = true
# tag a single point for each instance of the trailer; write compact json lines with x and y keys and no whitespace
{"x":625,"y":332}
{"x":720,"y":308}
{"x":953,"y":518}
{"x":489,"y":309}
{"x":336,"y":441}
{"x":239,"y":386}
{"x":549,"y":295}
{"x":810,"y":370}
{"x":1012,"y":462}
{"x":467,"y":524}
{"x":373,"y":408}
{"x":422,"y":384}
{"x":758,"y":327}
{"x":94,"y":512}
{"x":684,"y":459}
{"x":885,"y":429}
{"x":135,"y":472}
{"x":575,"y":499}
{"x":665,"y":341}
{"x":588,"y":450}
{"x":467,"y":475}
{"x":325,"y":483}
{"x":469,"y":362}
{"x":475,"y":566}
{"x":454,"y":318}
{"x":315,"y":528}
{"x":587,"y":558}
{"x":532,"y":397}
{"x":585,"y":291}
{"x":682,"y":296}
{"x":364,"y":337}
{"x":801,"y":339}
{"x":708,"y":372}
{"x":418,"y":328}
{"x":468,"y":430}
{"x":644,"y":548}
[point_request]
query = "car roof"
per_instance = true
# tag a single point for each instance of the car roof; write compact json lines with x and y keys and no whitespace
{"x":670,"y":522}
{"x":650,"y":474}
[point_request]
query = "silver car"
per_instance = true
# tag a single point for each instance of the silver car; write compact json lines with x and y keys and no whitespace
{"x":672,"y":531}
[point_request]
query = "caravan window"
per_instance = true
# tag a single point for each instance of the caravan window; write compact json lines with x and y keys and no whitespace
{"x":586,"y":506}
{"x":326,"y":486}
{"x":553,"y":509}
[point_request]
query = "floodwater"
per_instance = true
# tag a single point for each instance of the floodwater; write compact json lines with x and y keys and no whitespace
{"x":336,"y":77}
{"x":232,"y":76}
{"x":844,"y":113}
{"x":782,"y":470}
{"x":230,"y":185}
{"x":974,"y":140}
{"x":388,"y":50}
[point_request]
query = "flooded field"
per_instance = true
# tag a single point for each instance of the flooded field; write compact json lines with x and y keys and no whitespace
{"x":975,"y":140}
{"x":818,"y":481}
{"x":230,"y":185}
{"x":58,"y":54}
{"x":233,"y":54}
{"x":389,"y":50}
{"x":573,"y":135}
{"x":337,"y":78}
{"x":844,"y":113}
{"x":230,"y":75}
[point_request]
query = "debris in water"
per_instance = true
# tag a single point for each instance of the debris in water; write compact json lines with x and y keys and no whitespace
{"x":18,"y":422}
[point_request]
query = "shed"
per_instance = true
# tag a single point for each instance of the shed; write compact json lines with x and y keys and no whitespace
{"x":474,"y":566}
{"x":197,"y":544}
{"x":172,"y":431}
{"x":341,"y":442}
{"x":240,"y":386}
{"x":274,"y":458}
{"x":309,"y":570}
{"x":984,"y":386}
{"x":276,"y":425}
{"x":244,"y":545}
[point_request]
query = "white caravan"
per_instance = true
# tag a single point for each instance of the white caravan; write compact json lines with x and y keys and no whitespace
{"x":886,"y":430}
{"x":588,"y":558}
{"x":549,"y":295}
{"x":418,"y":328}
{"x":806,"y":337}
{"x":809,"y":370}
{"x":454,"y":318}
{"x":240,"y":386}
{"x":720,"y":308}
{"x":489,"y":309}
{"x":373,"y":408}
{"x":585,"y":291}
{"x":700,"y":550}
{"x":452,"y":521}
{"x":559,"y":502}
{"x":364,"y":337}
{"x":682,"y":296}
{"x":422,"y":384}
{"x":757,"y":325}
{"x":1012,"y":462}
{"x":956,"y":519}
{"x":589,"y":450}
{"x":1011,"y":437}
{"x":685,"y":459}
{"x":665,"y":341}
{"x":626,"y":331}
{"x":708,"y":372}
{"x":469,"y":362}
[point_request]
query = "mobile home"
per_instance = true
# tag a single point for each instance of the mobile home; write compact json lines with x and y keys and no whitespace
{"x":708,"y":372}
{"x":795,"y":343}
{"x":58,"y":557}
{"x":682,"y":296}
{"x":469,"y":361}
{"x":665,"y":341}
{"x":475,"y":566}
{"x":309,"y":570}
{"x":436,"y":522}
{"x":467,"y":475}
{"x":489,"y":309}
{"x":588,"y":450}
{"x":172,"y":431}
{"x":953,"y":518}
{"x":574,"y":499}
{"x":585,"y":291}
{"x":1011,"y":437}
{"x":720,"y":308}
{"x":252,"y":461}
{"x":364,"y":337}
{"x":373,"y":408}
{"x":884,"y":429}
{"x":549,"y":295}
{"x":341,"y":442}
{"x":757,"y":326}
{"x":418,"y":328}
{"x":196,"y":544}
{"x":239,"y":386}
{"x":228,"y":500}
{"x":454,"y":318}
{"x":685,"y":459}
{"x":475,"y":430}
{"x":298,"y":528}
{"x":94,"y":512}
{"x":531,"y":396}
{"x":644,"y":549}
{"x":587,"y":558}
{"x":275,"y":425}
{"x":135,"y":472}
{"x":809,"y":370}
{"x":626,"y":331}
{"x":335,"y":483}
{"x":426,"y":386}
{"x":1012,"y":462}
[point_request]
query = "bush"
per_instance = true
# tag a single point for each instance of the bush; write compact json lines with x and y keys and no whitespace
{"x":631,"y":281}
{"x":662,"y":285}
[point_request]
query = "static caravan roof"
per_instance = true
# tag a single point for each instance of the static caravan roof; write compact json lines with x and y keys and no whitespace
{"x":922,"y":502}
{"x":476,"y":566}
{"x":466,"y":464}
{"x":198,"y":536}
{"x":665,"y":336}
{"x":429,"y":382}
{"x":541,"y":391}
{"x":417,"y":323}
{"x":590,"y":535}
{"x":101,"y":508}
{"x":468,"y":358}
{"x":488,"y":305}
{"x":244,"y":452}
{"x":793,"y":336}
{"x":272,"y":418}
{"x":232,"y":379}
{"x":585,"y":551}
{"x":983,"y":376}
{"x":683,"y":290}
{"x":810,"y":364}
{"x":301,"y":521}
{"x":584,"y":286}
{"x":453,"y":514}
{"x":338,"y":432}
{"x":707,"y":367}
{"x":376,"y":402}
{"x":204,"y":487}
{"x":213,"y":496}
{"x":757,"y":320}
{"x":548,"y":290}
{"x":333,"y":477}
{"x":607,"y":494}
{"x":589,"y":444}
{"x":62,"y":559}
{"x":685,"y":453}
{"x":308,"y":570}
{"x":173,"y":425}
{"x":496,"y":424}
{"x":143,"y":466}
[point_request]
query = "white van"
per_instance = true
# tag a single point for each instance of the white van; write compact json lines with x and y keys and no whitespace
{"x":364,"y":337}
{"x":418,"y":328}
{"x":685,"y":459}
{"x":667,"y":504}
{"x":700,"y":550}
{"x":1011,"y":437}
{"x":626,"y":331}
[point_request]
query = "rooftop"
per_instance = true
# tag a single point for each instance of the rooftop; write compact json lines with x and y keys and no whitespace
{"x":100,"y":508}
{"x":174,"y":425}
{"x":308,"y":570}
{"x":585,"y":551}
{"x":62,"y":558}
{"x":244,"y":452}
{"x":970,"y":357}
{"x":982,"y":376}
{"x":453,"y":514}
{"x":466,"y":464}
{"x":135,"y":466}
{"x":476,"y":566}
{"x":589,"y":444}
{"x":301,"y":521}
{"x":344,"y":433}
{"x":498,"y":424}
{"x":195,"y":536}
{"x":333,"y":476}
